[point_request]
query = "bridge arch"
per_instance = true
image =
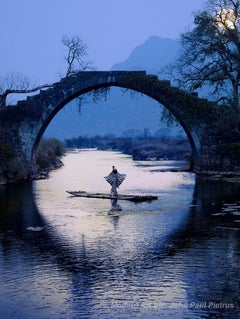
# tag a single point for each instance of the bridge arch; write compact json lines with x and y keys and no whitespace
{"x":39,"y":110}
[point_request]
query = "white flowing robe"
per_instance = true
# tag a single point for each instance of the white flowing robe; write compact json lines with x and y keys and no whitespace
{"x":115,"y":180}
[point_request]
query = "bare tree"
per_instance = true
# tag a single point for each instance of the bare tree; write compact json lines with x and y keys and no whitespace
{"x":76,"y":55}
{"x":14,"y":83}
{"x":76,"y":59}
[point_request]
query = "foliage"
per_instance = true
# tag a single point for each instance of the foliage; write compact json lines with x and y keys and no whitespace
{"x":95,"y":96}
{"x":224,"y":124}
{"x":183,"y":104}
{"x":168,"y":118}
{"x":210,"y":54}
{"x":13,"y":167}
{"x":141,"y":147}
{"x":49,"y":151}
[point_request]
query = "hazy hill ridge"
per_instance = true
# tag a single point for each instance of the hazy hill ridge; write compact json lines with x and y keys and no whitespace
{"x":120,"y":112}
{"x":151,"y":56}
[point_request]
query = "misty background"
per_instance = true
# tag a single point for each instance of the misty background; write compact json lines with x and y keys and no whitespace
{"x":122,"y":112}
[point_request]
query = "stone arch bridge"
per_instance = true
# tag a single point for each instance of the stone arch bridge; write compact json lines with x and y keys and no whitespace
{"x":25,"y":123}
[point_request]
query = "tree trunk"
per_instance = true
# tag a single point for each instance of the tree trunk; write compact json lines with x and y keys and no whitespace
{"x":3,"y":97}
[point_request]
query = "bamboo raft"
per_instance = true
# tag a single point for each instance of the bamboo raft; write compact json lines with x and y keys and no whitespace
{"x":132,"y":198}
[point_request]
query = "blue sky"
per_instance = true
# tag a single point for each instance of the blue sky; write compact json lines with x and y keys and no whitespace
{"x":31,"y":30}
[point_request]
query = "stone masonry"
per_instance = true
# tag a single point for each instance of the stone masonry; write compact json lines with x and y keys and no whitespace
{"x":25,"y":123}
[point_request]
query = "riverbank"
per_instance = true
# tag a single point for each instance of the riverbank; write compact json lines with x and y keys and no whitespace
{"x":43,"y":172}
{"x":231,"y":178}
{"x":140,"y":148}
{"x":15,"y":169}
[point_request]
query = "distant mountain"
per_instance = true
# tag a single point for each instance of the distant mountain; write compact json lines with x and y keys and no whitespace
{"x":121,"y":112}
{"x":151,"y":56}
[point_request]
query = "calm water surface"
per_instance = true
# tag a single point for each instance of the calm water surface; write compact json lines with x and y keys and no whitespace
{"x":64,"y":257}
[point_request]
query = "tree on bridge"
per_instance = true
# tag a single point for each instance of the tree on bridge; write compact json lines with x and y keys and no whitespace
{"x":76,"y":55}
{"x":15,"y":83}
{"x":210,"y":54}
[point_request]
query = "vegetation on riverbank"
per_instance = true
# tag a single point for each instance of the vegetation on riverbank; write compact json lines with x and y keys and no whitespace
{"x":49,"y":154}
{"x":14,"y":168}
{"x":140,"y":148}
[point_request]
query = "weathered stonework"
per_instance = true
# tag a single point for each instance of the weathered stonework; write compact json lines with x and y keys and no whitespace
{"x":26,"y":122}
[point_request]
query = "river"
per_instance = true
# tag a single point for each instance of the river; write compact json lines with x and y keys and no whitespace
{"x":64,"y":257}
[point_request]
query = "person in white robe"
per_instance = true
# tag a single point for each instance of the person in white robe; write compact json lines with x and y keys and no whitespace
{"x":115,"y":179}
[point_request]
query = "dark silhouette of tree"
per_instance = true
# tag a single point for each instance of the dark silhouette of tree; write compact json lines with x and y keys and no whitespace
{"x":76,"y":55}
{"x":210,"y":55}
{"x":76,"y":60}
{"x":14,"y":83}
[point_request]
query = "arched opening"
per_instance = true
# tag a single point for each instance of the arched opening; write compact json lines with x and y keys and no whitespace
{"x":191,"y":135}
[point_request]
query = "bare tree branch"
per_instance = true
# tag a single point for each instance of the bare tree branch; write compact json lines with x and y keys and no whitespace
{"x":76,"y":55}
{"x":76,"y":60}
{"x":3,"y":96}
{"x":14,"y":83}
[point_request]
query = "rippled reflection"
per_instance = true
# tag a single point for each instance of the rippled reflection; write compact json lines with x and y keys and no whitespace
{"x":64,"y":257}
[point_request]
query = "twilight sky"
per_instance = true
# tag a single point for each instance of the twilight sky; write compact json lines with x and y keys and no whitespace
{"x":31,"y":31}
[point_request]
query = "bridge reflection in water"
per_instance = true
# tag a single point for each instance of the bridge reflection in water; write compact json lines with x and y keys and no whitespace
{"x":44,"y":275}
